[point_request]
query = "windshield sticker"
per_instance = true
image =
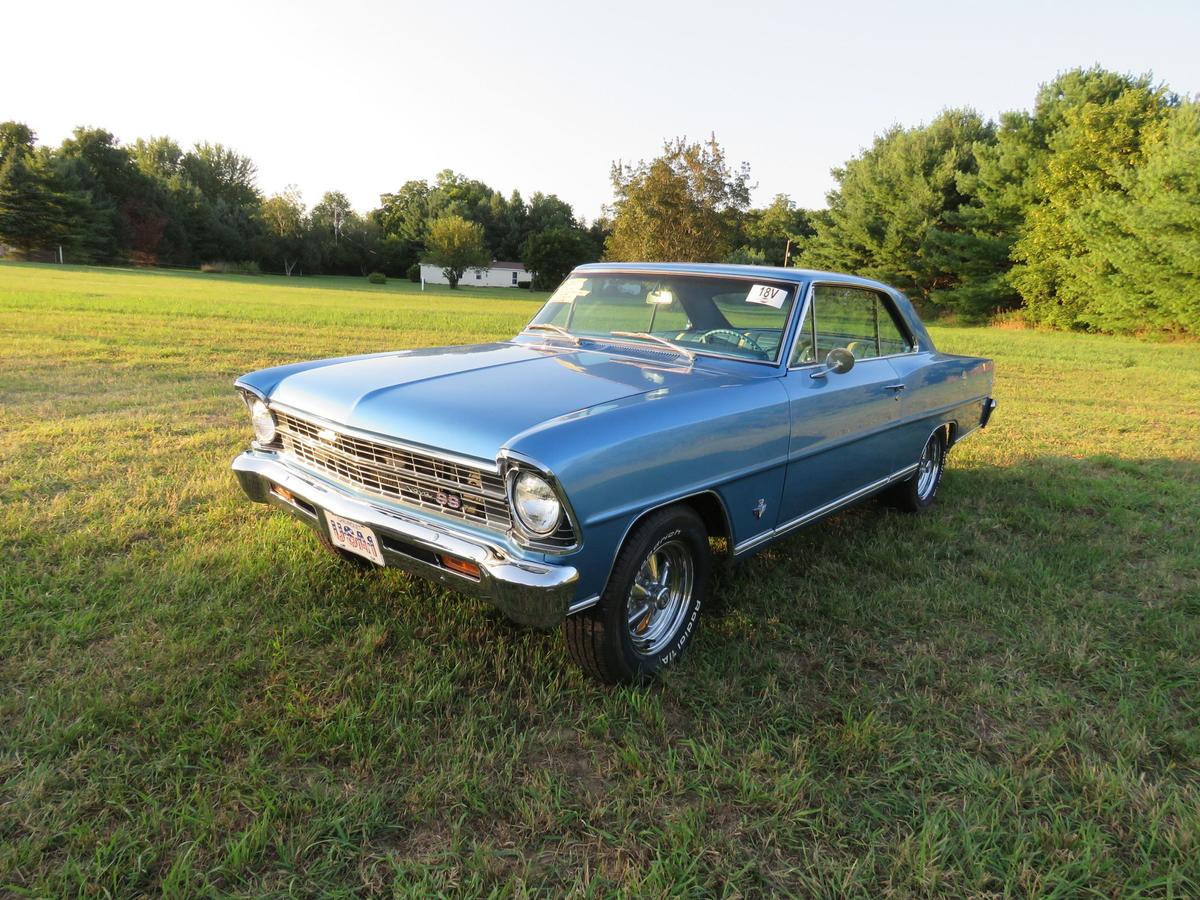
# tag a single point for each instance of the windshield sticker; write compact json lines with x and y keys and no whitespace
{"x":765,"y":295}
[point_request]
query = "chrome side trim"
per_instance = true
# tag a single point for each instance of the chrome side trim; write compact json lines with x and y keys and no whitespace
{"x":581,"y":605}
{"x":965,"y":434}
{"x":832,"y":506}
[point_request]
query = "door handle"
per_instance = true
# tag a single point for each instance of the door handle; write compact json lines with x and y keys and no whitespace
{"x":894,"y":387}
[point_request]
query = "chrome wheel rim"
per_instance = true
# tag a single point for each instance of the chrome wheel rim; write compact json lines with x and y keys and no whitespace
{"x":660,"y":597}
{"x":928,"y":468}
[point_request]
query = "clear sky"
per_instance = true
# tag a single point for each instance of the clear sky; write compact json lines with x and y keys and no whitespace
{"x":362,"y":95}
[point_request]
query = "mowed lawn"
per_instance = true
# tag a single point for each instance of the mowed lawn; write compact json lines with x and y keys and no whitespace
{"x":1000,"y":696}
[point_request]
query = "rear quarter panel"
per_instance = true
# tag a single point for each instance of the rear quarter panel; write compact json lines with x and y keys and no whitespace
{"x":940,"y":389}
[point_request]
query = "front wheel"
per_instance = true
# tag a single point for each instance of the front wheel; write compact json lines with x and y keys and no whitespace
{"x":649,"y":610}
{"x":917,"y":492}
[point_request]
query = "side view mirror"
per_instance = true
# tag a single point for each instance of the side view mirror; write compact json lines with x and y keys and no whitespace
{"x":839,"y":361}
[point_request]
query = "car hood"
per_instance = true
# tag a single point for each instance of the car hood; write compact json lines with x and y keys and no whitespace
{"x":474,"y":400}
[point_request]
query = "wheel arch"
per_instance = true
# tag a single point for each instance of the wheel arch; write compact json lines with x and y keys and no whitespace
{"x":707,"y":504}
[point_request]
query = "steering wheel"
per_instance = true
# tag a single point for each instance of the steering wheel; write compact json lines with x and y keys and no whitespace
{"x":739,"y":339}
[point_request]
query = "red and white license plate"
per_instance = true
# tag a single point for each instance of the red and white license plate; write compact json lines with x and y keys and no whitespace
{"x":354,"y":537}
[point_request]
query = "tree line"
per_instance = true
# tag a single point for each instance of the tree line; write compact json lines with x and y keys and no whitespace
{"x":1082,"y":212}
{"x":154,"y":203}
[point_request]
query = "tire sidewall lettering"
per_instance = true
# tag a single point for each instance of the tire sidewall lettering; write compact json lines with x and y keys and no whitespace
{"x":687,"y":630}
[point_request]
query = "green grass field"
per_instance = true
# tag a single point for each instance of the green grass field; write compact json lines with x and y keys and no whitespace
{"x":999,"y":697}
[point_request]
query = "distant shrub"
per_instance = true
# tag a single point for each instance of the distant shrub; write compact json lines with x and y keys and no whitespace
{"x":1013,"y":320}
{"x":524,"y":285}
{"x":246,"y":267}
{"x":414,"y":272}
{"x":377,"y":278}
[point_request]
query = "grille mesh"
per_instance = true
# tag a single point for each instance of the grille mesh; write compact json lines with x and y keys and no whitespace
{"x":414,"y":479}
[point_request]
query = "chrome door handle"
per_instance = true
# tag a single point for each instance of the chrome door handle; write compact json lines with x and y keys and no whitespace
{"x":894,"y":387}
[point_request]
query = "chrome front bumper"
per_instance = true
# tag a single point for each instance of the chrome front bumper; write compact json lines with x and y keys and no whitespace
{"x":532,"y":593}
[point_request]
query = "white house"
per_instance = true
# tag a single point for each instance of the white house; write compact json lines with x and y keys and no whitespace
{"x":499,"y":274}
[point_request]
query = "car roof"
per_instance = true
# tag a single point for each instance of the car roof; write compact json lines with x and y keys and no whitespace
{"x":774,"y":273}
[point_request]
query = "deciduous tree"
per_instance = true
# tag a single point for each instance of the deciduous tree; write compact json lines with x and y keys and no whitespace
{"x":552,"y":253}
{"x":681,"y":206}
{"x":287,"y":227}
{"x":457,"y":245}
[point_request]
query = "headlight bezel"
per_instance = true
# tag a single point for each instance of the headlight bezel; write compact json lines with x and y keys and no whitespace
{"x":261,"y":414}
{"x":536,"y":490}
{"x":565,"y":537}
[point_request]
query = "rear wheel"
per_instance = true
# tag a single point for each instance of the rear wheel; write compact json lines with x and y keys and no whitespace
{"x":649,"y":610}
{"x":918,"y":491}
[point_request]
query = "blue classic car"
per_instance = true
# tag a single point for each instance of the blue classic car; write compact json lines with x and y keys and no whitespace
{"x":576,"y":473}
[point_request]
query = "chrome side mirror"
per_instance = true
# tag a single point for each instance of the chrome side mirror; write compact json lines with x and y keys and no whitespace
{"x":839,"y":361}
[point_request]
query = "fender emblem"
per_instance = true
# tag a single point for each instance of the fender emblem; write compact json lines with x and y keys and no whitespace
{"x":759,"y":508}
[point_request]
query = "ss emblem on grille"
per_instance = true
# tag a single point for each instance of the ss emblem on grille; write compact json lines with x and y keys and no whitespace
{"x":328,"y":435}
{"x":448,"y":499}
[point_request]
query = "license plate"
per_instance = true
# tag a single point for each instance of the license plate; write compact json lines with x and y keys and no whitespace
{"x":354,"y":537}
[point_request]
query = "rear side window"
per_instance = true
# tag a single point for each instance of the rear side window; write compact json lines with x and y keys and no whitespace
{"x":852,"y":318}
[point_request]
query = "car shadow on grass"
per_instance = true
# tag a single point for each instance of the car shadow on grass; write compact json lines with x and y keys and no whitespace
{"x":1037,"y":554}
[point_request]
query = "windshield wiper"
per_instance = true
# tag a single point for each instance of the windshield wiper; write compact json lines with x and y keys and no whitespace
{"x":645,"y":335}
{"x":556,"y":329}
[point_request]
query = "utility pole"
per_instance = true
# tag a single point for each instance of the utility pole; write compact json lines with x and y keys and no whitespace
{"x":787,"y":253}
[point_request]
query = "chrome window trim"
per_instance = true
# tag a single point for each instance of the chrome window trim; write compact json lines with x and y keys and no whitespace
{"x":858,"y":362}
{"x":914,"y":348}
{"x":786,"y":334}
{"x":832,"y":506}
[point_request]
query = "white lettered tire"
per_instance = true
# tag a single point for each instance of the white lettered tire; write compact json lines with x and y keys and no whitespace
{"x":650,"y":609}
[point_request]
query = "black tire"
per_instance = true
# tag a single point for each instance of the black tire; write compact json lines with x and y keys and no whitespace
{"x":352,"y":560}
{"x":672,"y":544}
{"x":917,"y":492}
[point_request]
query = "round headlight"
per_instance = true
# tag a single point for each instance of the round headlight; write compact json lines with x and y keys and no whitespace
{"x":537,"y":505}
{"x":264,"y":422}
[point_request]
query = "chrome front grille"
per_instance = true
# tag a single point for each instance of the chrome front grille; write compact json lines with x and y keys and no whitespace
{"x":405,"y":476}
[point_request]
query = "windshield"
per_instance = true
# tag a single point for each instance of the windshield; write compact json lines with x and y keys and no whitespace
{"x":697,"y":313}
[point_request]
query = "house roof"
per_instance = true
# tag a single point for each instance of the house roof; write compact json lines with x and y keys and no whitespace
{"x":495,"y":264}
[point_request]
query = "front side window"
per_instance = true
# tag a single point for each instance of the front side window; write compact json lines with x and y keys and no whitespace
{"x":852,"y":318}
{"x":705,"y":314}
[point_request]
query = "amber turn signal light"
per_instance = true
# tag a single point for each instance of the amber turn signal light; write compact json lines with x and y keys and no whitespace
{"x":283,"y":492}
{"x":461,"y":566}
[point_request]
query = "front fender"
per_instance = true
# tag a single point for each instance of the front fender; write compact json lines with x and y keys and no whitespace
{"x":621,"y":460}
